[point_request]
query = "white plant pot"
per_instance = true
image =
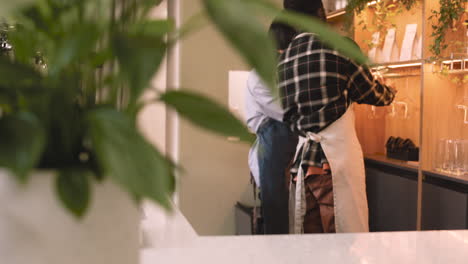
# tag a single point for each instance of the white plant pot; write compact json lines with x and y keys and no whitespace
{"x":36,"y":229}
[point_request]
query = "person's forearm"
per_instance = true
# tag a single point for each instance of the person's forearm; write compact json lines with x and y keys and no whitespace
{"x":365,"y":89}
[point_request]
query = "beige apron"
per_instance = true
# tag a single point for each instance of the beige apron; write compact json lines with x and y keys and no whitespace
{"x":344,"y":154}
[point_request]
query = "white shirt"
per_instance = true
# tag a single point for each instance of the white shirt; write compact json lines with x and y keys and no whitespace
{"x":260,"y":105}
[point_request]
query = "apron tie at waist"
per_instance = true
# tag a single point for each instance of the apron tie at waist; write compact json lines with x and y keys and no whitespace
{"x":297,"y":200}
{"x":308,"y":140}
{"x":314,"y":137}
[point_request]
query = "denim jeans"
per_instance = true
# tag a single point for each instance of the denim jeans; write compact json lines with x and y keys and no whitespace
{"x":277,"y":146}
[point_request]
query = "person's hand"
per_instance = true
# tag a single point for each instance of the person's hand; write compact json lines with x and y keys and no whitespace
{"x":382,"y":80}
{"x":379,"y":77}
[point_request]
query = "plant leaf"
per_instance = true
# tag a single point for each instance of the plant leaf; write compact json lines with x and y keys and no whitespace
{"x":10,"y":6}
{"x":98,"y":59}
{"x":310,"y":24}
{"x":155,"y":28}
{"x":22,"y":143}
{"x":238,"y":24}
{"x":127,"y":158}
{"x":139,"y":57}
{"x":24,"y":45}
{"x":16,"y":75}
{"x":151,"y":3}
{"x":77,"y":43}
{"x":207,"y":114}
{"x":147,"y":5}
{"x":74,"y":190}
{"x":193,"y":24}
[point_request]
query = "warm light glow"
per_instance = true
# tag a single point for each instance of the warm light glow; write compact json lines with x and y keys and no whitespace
{"x":405,"y":65}
{"x":373,"y":3}
{"x":336,"y":14}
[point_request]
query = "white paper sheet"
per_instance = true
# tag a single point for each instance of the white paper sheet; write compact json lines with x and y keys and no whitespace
{"x":395,"y":53}
{"x":408,"y":41}
{"x":373,"y":51}
{"x":389,"y":45}
{"x":417,"y":54}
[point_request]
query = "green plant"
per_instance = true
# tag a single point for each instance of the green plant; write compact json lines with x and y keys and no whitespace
{"x":385,"y":12}
{"x":444,"y":19}
{"x":458,"y":79}
{"x":357,"y":6}
{"x":71,"y":91}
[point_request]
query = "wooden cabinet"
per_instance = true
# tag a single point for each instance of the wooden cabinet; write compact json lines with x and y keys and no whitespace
{"x":445,"y":203}
{"x":392,"y":196}
{"x":426,"y":110}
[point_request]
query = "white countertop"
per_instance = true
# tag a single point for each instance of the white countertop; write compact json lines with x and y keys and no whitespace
{"x":172,"y":240}
{"x":444,"y":247}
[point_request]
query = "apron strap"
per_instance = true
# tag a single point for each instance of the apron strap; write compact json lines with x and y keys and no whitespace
{"x":313,"y":137}
{"x":255,"y":214}
{"x":297,"y":199}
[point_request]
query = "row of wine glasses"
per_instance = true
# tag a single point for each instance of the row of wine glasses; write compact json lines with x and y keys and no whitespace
{"x":452,"y":156}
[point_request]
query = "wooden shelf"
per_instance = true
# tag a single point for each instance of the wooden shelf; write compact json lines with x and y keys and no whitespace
{"x":434,"y":88}
{"x":441,"y":118}
{"x":465,"y":71}
{"x":455,"y":65}
{"x":399,"y":64}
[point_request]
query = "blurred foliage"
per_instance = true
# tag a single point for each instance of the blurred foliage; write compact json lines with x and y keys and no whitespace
{"x":71,"y":89}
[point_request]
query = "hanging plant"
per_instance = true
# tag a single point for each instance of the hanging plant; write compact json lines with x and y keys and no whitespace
{"x":357,"y":6}
{"x":71,"y":94}
{"x":446,"y":18}
{"x":385,"y":11}
{"x":459,"y":79}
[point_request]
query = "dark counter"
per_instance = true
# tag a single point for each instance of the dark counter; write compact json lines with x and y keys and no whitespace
{"x":392,"y":194}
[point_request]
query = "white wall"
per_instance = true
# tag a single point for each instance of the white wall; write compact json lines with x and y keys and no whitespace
{"x":161,"y":228}
{"x":217,"y":174}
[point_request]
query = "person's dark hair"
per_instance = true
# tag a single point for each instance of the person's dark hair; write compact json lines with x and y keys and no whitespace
{"x":308,"y":7}
{"x":282,"y":34}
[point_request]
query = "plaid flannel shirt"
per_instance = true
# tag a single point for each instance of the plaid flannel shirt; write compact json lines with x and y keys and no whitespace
{"x":317,"y":85}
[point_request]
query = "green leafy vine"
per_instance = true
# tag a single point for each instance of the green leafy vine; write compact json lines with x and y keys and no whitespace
{"x":359,"y":5}
{"x":384,"y":10}
{"x":445,"y":18}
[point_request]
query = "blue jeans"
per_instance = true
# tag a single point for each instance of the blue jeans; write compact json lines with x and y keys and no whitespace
{"x":277,"y":146}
